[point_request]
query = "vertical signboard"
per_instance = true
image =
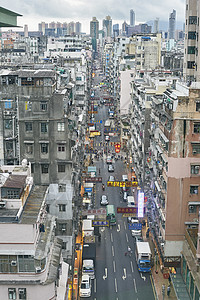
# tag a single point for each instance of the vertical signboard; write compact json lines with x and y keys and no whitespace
{"x":140,"y":205}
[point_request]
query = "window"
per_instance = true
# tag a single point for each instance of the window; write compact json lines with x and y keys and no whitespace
{"x":64,"y":245}
{"x":22,"y":293}
{"x":29,"y":148}
{"x":61,"y":148}
{"x":196,"y":149}
{"x":61,"y":168}
{"x":43,"y":105}
{"x":62,"y":227}
{"x":44,"y":148}
{"x":61,"y":188}
{"x":12,"y":294}
{"x":8,"y":104}
{"x":45,"y":169}
{"x":192,"y":20}
{"x":28,"y":126}
{"x":192,"y":209}
{"x":62,"y":207}
{"x":194,"y":169}
{"x":196,"y":127}
{"x":78,"y":78}
{"x":191,"y":64}
{"x":8,"y":124}
{"x":12,"y":194}
{"x":191,"y":35}
{"x":44,"y":127}
{"x":131,"y":74}
{"x":198,"y":106}
{"x":61,"y":126}
{"x":191,"y":49}
{"x":194,"y":189}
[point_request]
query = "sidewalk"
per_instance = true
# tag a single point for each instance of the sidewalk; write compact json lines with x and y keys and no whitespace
{"x":159,"y":280}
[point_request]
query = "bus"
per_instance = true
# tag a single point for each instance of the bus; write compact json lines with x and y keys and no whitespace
{"x":110,"y":214}
{"x":143,"y":256}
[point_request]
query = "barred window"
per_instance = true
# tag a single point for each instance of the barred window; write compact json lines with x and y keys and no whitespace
{"x":61,"y":126}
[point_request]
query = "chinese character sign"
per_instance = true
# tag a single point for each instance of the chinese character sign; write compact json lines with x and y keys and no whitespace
{"x":140,"y":205}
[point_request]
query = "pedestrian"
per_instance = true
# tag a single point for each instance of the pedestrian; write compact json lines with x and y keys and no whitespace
{"x":168,"y":291}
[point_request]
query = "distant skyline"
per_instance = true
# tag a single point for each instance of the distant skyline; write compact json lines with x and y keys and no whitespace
{"x":37,"y":11}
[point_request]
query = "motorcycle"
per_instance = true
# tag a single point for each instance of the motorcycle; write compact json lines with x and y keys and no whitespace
{"x":103,"y":187}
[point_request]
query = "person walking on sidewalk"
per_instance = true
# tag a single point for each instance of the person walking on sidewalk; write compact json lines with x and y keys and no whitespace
{"x":168,"y":291}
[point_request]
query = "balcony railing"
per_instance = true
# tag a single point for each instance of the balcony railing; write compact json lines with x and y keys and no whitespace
{"x":191,"y":236}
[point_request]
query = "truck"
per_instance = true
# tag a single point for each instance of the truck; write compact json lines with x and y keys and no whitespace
{"x":143,"y":256}
{"x":89,"y":259}
{"x":88,"y":229}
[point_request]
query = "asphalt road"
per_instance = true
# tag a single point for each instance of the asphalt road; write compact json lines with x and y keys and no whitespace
{"x":117,"y":276}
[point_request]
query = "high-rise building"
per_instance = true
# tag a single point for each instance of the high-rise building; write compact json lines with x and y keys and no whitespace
{"x":94,"y":32}
{"x":191,"y":66}
{"x":115,"y":30}
{"x":42,"y":26}
{"x":172,"y":24}
{"x":25,"y":30}
{"x":78,"y":27}
{"x":132,"y":18}
{"x":156,"y":25}
{"x":107,"y":26}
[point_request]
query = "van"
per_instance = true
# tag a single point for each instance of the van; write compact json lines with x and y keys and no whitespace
{"x":138,"y":228}
{"x":85,"y":287}
{"x":130,"y":201}
{"x":124,"y":178}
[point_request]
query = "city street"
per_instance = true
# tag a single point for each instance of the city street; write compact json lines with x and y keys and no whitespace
{"x":117,"y":276}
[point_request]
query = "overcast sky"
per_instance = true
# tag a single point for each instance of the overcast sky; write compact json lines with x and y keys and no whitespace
{"x":35,"y":11}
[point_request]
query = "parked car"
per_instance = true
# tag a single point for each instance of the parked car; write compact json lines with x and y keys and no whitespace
{"x":104,"y":200}
{"x":111,"y":168}
{"x":107,"y":138}
{"x":85,"y":287}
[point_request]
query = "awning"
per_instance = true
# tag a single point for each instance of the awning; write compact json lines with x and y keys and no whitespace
{"x":44,"y":142}
{"x":163,"y":136}
{"x":157,"y":186}
{"x":194,"y":203}
{"x":28,"y":142}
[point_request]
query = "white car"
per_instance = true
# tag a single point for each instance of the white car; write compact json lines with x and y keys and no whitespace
{"x":104,"y":200}
{"x":111,"y":178}
{"x":109,"y":160}
{"x":85,"y":287}
{"x":107,"y":138}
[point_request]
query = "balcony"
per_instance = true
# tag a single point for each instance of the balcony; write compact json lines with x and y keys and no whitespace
{"x":191,"y":237}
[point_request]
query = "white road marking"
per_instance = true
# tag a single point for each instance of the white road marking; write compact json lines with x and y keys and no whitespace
{"x":106,"y":274}
{"x":124,"y":225}
{"x":116,"y":285}
{"x":132,"y":270}
{"x":135,"y":285}
{"x":118,"y":228}
{"x":143,"y":277}
{"x":114,"y":267}
{"x":111,"y":237}
{"x":95,"y":285}
{"x":126,"y":237}
{"x":113,"y":254}
{"x":124,"y":276}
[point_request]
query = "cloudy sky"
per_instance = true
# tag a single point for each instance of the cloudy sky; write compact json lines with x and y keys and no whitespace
{"x":35,"y":11}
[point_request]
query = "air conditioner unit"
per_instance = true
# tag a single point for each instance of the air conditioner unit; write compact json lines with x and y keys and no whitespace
{"x":194,"y":152}
{"x":13,"y":263}
{"x":29,"y":79}
{"x":21,"y":291}
{"x":38,"y":269}
{"x":63,"y":229}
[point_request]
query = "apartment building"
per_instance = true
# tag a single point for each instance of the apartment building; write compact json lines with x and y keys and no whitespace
{"x":31,"y":265}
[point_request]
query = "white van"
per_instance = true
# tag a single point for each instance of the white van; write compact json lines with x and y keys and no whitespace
{"x":85,"y":287}
{"x":130,"y":201}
